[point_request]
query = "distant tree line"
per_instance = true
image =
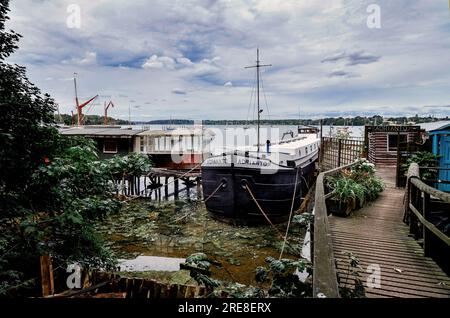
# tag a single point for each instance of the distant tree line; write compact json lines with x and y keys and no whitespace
{"x":67,"y":119}
{"x":335,"y":121}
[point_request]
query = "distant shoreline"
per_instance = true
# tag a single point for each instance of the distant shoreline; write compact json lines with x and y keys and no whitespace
{"x":335,"y":121}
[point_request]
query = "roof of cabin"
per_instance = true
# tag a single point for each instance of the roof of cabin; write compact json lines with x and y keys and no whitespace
{"x":438,"y":125}
{"x":440,"y":129}
{"x":176,"y":132}
{"x":99,"y":132}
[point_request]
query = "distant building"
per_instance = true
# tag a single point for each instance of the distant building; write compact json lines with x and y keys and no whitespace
{"x":383,"y":142}
{"x":181,"y":148}
{"x":440,"y":138}
{"x":110,"y":141}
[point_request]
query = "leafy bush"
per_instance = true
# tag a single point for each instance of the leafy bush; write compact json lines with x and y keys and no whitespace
{"x":132,"y":164}
{"x":284,"y":280}
{"x":423,"y":159}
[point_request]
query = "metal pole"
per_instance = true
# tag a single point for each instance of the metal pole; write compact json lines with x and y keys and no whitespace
{"x":257,"y":81}
{"x":76,"y":100}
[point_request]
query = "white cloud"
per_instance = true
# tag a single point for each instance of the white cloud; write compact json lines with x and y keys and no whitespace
{"x":147,"y":49}
{"x":228,"y":84}
{"x":159,"y":62}
{"x":90,"y":58}
{"x":184,"y":61}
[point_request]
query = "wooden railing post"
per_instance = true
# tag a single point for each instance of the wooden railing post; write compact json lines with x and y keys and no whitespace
{"x":425,"y":214}
{"x":420,"y":207}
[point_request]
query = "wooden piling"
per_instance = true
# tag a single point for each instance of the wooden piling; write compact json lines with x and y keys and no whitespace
{"x":176,"y":188}
{"x":47,"y":282}
{"x":166,"y":187}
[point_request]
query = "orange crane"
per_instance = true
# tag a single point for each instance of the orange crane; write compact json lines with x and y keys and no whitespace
{"x":78,"y":105}
{"x":106,"y":111}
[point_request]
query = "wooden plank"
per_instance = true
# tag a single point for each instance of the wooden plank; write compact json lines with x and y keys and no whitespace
{"x":377,"y":235}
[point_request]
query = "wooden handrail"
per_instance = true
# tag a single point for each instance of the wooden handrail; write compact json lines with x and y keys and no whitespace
{"x":419,"y":191}
{"x":325,"y":282}
{"x":419,"y":184}
{"x":430,"y":226}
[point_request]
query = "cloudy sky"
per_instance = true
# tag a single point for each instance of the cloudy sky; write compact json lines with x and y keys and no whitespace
{"x":186,"y":58}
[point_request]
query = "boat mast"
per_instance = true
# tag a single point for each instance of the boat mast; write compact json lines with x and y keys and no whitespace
{"x":258,"y":66}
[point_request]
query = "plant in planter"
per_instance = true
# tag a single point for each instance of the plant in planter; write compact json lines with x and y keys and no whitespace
{"x":372,"y":187}
{"x":348,"y":195}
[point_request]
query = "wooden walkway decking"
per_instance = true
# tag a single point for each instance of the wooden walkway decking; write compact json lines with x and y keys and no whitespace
{"x":376,"y":234}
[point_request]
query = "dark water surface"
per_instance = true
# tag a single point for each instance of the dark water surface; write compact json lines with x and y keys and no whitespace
{"x":179,"y":228}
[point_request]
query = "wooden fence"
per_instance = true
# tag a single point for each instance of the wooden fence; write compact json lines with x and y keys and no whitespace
{"x":336,"y":152}
{"x":110,"y":285}
{"x":423,"y":204}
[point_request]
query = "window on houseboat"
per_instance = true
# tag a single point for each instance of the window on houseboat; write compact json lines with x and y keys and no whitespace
{"x":306,"y":150}
{"x":110,"y":146}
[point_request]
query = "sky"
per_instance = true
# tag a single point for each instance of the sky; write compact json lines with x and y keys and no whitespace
{"x":160,"y":59}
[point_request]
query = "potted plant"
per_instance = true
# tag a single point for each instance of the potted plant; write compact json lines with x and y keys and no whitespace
{"x":372,"y":187}
{"x":348,"y":195}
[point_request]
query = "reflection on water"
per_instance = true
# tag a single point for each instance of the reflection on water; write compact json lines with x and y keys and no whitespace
{"x":150,"y":263}
{"x":180,"y":228}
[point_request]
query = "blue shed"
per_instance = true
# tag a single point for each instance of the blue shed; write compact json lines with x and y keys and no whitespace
{"x":441,"y":146}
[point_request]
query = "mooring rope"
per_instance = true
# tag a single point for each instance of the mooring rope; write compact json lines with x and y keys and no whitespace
{"x":262,"y":211}
{"x":214,"y":192}
{"x":290,"y":216}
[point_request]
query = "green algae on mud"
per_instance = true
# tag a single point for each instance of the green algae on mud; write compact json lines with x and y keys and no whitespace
{"x":180,"y":228}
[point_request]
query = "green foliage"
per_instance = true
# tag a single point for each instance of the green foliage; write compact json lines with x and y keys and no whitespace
{"x":303,"y":219}
{"x":335,"y":121}
{"x":423,"y":159}
{"x":199,"y":265}
{"x":348,"y":191}
{"x":284,"y":280}
{"x":88,"y":120}
{"x":362,"y":167}
{"x":52,"y":188}
{"x":132,"y":164}
{"x":356,"y":185}
{"x":343,"y":134}
{"x":351,"y":286}
{"x":373,"y":186}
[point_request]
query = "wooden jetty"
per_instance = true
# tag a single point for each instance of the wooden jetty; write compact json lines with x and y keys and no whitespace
{"x":160,"y":178}
{"x":377,"y":235}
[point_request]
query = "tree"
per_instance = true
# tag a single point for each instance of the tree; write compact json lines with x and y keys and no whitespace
{"x":52,"y":188}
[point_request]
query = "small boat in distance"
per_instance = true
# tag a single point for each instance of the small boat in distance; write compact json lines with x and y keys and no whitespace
{"x":253,"y":186}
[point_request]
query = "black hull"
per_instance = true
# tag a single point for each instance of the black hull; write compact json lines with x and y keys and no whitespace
{"x":273,"y":192}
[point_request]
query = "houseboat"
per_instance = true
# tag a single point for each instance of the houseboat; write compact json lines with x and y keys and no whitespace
{"x":249,"y":185}
{"x":177,"y":148}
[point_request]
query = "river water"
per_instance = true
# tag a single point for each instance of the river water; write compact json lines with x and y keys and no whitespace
{"x":172,"y":230}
